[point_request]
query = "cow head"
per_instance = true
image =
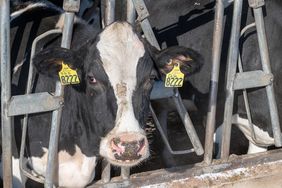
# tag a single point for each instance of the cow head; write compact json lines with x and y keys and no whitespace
{"x":117,"y":71}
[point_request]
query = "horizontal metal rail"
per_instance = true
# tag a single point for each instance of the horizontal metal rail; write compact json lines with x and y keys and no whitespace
{"x":34,"y":103}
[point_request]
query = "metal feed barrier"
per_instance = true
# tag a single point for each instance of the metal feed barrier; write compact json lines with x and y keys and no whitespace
{"x":241,"y":80}
{"x":23,"y":105}
{"x":30,"y":103}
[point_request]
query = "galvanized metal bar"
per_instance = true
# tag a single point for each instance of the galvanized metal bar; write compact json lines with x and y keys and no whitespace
{"x":6,"y":126}
{"x":33,"y":103}
{"x":29,"y":86}
{"x":191,"y":132}
{"x":106,"y":171}
{"x":143,"y":13}
{"x":252,"y":79}
{"x":108,"y":12}
{"x":216,"y":54}
{"x":125,"y":173}
{"x":56,"y":115}
{"x":231,"y":71}
{"x":163,"y":135}
{"x":130,"y":12}
{"x":263,"y":47}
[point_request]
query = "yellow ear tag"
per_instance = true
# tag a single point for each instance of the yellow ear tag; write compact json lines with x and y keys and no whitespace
{"x":68,"y":75}
{"x":175,"y":77}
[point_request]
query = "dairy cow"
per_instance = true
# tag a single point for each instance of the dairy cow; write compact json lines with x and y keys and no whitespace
{"x":190,"y":23}
{"x":104,"y":115}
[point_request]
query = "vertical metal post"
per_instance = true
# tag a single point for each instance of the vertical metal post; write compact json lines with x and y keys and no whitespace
{"x":125,"y":173}
{"x":231,"y":71}
{"x":263,"y":47}
{"x":130,"y":12}
{"x":108,"y":12}
{"x":6,"y":93}
{"x":72,"y":6}
{"x":216,"y":54}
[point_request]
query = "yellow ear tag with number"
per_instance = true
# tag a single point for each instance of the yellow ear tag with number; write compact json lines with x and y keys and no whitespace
{"x":68,"y":76}
{"x":175,"y":77}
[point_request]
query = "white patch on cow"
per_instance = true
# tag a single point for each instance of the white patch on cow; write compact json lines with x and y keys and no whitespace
{"x":17,"y":180}
{"x":74,"y":171}
{"x":262,"y":137}
{"x":255,"y":149}
{"x":120,"y":50}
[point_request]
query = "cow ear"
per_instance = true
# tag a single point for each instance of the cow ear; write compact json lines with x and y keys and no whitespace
{"x":49,"y":61}
{"x":189,"y":60}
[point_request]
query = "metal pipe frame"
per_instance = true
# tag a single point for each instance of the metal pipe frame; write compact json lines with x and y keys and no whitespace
{"x":108,"y":12}
{"x":163,"y":135}
{"x":6,"y":93}
{"x":28,"y":91}
{"x":263,"y":48}
{"x":233,"y":54}
{"x":56,"y":115}
{"x":130,"y":12}
{"x":216,"y":54}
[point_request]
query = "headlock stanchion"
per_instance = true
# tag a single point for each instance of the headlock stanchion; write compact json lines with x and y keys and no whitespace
{"x":251,"y":79}
{"x":70,"y":7}
{"x":5,"y":93}
{"x":216,"y":54}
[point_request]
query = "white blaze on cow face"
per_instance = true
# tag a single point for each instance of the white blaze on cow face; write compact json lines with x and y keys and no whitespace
{"x":120,"y":50}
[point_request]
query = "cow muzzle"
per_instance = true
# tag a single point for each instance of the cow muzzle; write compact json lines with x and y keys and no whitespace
{"x":127,"y":149}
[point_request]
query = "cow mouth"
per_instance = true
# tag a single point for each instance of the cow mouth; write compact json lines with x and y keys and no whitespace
{"x":128,"y":151}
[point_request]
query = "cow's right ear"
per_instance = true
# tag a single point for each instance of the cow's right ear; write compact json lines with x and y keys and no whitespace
{"x":49,"y":61}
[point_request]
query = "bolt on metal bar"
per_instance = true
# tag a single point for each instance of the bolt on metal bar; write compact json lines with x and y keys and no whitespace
{"x":216,"y":54}
{"x":56,"y":115}
{"x":233,"y":53}
{"x":5,"y":93}
{"x":108,"y":12}
{"x":130,"y":12}
{"x":263,"y":48}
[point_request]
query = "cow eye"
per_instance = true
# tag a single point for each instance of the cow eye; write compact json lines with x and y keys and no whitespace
{"x":92,"y":80}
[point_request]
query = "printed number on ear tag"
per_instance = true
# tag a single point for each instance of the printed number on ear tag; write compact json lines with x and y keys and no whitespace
{"x":175,"y":77}
{"x":68,"y":76}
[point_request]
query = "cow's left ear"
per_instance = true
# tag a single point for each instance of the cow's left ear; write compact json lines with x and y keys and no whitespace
{"x":49,"y":61}
{"x":189,"y":60}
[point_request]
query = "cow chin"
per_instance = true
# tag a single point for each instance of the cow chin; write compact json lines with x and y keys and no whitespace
{"x":125,"y":150}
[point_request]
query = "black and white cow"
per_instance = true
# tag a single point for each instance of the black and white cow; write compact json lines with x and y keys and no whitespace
{"x":190,"y":23}
{"x":105,"y":114}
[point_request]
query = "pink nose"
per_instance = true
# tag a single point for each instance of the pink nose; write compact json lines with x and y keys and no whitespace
{"x":129,"y":147}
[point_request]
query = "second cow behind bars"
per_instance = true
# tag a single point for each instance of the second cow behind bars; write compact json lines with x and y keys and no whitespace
{"x":104,"y":115}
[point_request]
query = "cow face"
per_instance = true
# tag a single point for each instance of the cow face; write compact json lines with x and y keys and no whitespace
{"x":117,"y":73}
